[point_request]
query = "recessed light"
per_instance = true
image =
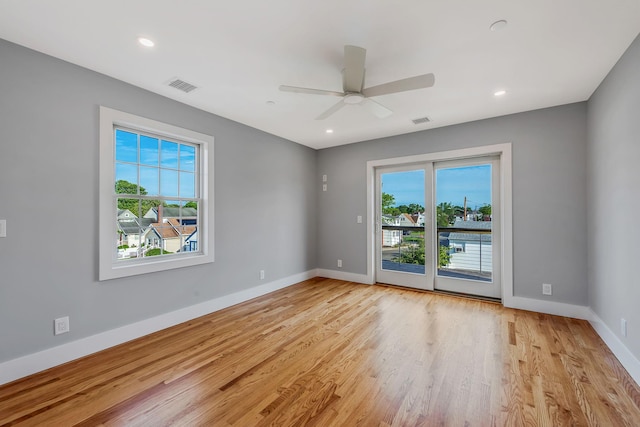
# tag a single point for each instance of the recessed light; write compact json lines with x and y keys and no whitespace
{"x":498,"y":25}
{"x":500,"y":93}
{"x":271,"y":103}
{"x":145,"y":42}
{"x":329,"y":131}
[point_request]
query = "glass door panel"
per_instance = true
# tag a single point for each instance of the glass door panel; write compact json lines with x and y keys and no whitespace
{"x":467,"y":217}
{"x":403,"y":245}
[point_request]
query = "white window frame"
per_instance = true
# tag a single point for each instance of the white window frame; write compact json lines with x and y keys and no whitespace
{"x":109,"y":266}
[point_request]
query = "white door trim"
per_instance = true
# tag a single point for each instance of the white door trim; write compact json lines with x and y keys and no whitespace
{"x":501,"y":150}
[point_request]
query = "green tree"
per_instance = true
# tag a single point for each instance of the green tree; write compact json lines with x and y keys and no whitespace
{"x":444,"y":257}
{"x":415,"y":208}
{"x":445,"y":214}
{"x":414,"y":254}
{"x":485,"y":210}
{"x":126,"y":187}
{"x":136,"y":206}
{"x":193,"y":205}
{"x":387,"y":203}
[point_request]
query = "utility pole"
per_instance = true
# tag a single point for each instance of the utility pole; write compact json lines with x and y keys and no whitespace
{"x":465,"y":208}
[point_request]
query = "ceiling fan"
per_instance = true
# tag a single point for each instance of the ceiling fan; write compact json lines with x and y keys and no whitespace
{"x":353,"y":86}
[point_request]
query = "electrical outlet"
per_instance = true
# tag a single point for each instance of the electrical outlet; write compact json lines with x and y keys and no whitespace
{"x":339,"y":263}
{"x":623,"y":327}
{"x":324,"y":187}
{"x":324,"y":178}
{"x":61,"y":325}
{"x":547,"y":289}
{"x":261,"y":274}
{"x":359,"y":219}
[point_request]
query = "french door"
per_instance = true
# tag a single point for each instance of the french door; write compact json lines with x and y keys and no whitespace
{"x":437,"y":226}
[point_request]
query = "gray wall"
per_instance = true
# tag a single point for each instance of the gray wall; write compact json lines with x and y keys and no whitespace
{"x":614,"y":200}
{"x":549,"y":195}
{"x":265,"y":206}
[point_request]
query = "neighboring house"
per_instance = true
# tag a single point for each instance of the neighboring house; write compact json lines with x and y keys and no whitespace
{"x":168,"y":234}
{"x":405,"y":220}
{"x":129,"y":228}
{"x":186,"y":216}
{"x":418,"y":218}
{"x":471,"y":251}
{"x":129,"y":231}
{"x":391,"y":237}
{"x":124,"y":214}
{"x":191,"y":242}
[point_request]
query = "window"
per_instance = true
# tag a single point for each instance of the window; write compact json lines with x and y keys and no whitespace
{"x":155,"y":212}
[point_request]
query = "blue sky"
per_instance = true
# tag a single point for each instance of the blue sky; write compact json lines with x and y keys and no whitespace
{"x":164,"y":168}
{"x":452,"y":185}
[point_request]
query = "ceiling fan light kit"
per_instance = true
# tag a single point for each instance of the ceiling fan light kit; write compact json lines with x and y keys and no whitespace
{"x":354,"y":92}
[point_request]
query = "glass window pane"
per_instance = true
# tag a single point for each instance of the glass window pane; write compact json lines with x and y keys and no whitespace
{"x":187,"y":184}
{"x":402,"y":198}
{"x":126,"y":178}
{"x":126,"y":146}
{"x":187,"y":158}
{"x":168,"y":183}
{"x":463,"y":197}
{"x":148,"y":150}
{"x":149,"y":181}
{"x":169,"y":155}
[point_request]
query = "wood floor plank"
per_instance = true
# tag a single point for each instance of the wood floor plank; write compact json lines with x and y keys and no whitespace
{"x":331,"y":353}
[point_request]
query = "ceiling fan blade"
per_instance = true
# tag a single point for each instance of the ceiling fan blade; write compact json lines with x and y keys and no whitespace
{"x":411,"y":83}
{"x":353,"y":74}
{"x":330,"y":111}
{"x":295,"y":89}
{"x":377,"y":109}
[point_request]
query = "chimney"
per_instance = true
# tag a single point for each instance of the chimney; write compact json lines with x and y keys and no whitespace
{"x":160,"y":214}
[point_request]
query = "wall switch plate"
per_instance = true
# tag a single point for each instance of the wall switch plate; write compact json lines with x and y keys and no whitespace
{"x":3,"y":228}
{"x":339,"y":263}
{"x":324,"y":187}
{"x":546,"y":289}
{"x":324,"y":178}
{"x":359,"y":219}
{"x":61,"y":325}
{"x":623,"y":327}
{"x":261,"y":274}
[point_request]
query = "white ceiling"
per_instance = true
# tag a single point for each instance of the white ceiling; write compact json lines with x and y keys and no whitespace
{"x":552,"y":52}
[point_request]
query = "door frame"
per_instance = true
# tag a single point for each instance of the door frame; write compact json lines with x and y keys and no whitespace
{"x":503,"y":151}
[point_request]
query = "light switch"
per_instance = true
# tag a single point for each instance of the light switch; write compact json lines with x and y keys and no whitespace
{"x":324,"y":178}
{"x":359,"y":219}
{"x":3,"y":228}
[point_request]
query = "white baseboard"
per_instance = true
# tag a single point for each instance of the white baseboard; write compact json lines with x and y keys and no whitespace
{"x":346,"y":276}
{"x":26,"y":365}
{"x":548,"y":307}
{"x":617,"y":347}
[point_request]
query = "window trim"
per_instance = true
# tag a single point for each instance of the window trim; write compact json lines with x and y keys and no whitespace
{"x":109,"y":267}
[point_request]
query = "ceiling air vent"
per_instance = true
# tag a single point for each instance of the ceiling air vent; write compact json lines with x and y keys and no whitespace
{"x":421,"y":120}
{"x":182,"y":85}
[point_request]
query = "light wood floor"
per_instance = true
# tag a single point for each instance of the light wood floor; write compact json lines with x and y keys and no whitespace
{"x":332,"y":353}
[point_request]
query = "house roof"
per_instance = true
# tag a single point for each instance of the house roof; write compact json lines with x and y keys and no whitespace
{"x":171,"y":229}
{"x":170,"y":212}
{"x":471,"y":237}
{"x":407,"y":217}
{"x":134,"y":226}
